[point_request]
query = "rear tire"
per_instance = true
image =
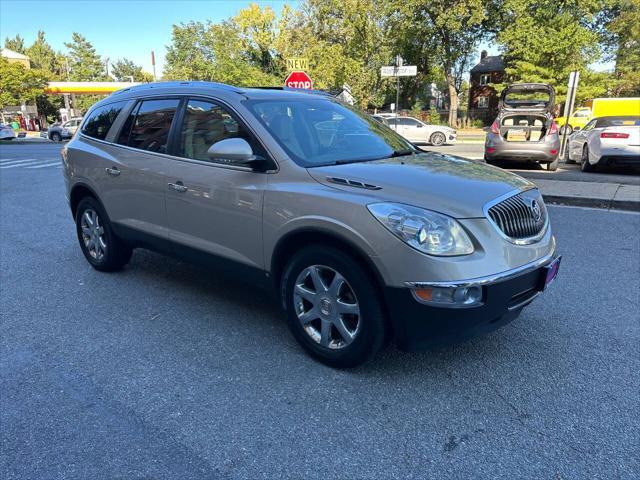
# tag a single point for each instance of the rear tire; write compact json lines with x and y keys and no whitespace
{"x":585,"y":166}
{"x":553,"y":166}
{"x":56,"y":137}
{"x":437,"y":139}
{"x":99,"y":244}
{"x":322,"y":288}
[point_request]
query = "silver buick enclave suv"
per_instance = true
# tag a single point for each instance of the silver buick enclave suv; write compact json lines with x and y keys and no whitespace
{"x":363,"y":237}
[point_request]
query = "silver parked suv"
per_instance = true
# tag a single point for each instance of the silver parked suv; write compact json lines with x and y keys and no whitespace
{"x":363,"y":237}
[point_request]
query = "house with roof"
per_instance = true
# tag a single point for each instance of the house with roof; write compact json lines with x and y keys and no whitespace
{"x":16,"y":57}
{"x":483,"y":98}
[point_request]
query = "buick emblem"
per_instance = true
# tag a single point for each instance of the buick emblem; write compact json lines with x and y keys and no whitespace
{"x":536,"y":211}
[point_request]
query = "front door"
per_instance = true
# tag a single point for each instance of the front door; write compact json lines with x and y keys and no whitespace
{"x":214,"y":207}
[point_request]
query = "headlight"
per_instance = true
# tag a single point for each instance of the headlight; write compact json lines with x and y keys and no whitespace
{"x":424,"y":230}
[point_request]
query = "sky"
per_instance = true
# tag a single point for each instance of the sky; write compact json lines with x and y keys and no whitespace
{"x":125,"y":28}
{"x":116,"y":28}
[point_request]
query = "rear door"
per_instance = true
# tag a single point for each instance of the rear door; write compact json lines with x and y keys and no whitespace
{"x":211,"y":206}
{"x":134,"y":177}
{"x":527,"y":97}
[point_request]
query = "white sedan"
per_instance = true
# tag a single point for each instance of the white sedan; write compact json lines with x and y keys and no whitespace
{"x":605,"y":141}
{"x":6,"y":132}
{"x":417,"y":131}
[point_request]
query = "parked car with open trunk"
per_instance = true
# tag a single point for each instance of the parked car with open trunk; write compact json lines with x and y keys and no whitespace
{"x":524,"y":130}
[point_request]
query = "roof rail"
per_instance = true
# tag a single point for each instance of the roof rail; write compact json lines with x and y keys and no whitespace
{"x":155,"y":85}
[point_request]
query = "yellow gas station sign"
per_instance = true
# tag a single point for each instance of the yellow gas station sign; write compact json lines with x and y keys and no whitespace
{"x":297,"y":64}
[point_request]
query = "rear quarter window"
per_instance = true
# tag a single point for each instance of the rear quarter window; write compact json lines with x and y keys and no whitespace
{"x":101,"y":119}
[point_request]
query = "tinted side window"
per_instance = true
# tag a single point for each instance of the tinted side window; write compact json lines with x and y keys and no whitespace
{"x":150,"y":129}
{"x":101,"y":119}
{"x":206,"y":123}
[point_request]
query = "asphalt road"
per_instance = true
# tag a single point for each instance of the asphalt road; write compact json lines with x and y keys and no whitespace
{"x":533,"y":171}
{"x":168,"y":371}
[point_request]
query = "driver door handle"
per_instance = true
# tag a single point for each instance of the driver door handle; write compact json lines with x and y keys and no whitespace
{"x":112,"y":171}
{"x":178,"y":186}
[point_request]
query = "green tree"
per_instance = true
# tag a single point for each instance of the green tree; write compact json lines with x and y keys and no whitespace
{"x":16,"y":44}
{"x":544,"y":41}
{"x":212,"y":52}
{"x":45,"y":58}
{"x":125,"y":70}
{"x":443,"y":33}
{"x":18,"y":83}
{"x":624,"y":27}
{"x":52,"y":64}
{"x":84,"y":63}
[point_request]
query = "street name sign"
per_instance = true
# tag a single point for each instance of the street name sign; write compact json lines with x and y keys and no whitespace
{"x":299,"y":80}
{"x":404,"y":71}
{"x":297,"y":64}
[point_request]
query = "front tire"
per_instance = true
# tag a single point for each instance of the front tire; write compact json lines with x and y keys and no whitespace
{"x":437,"y":139}
{"x":332,"y":308}
{"x":99,"y":244}
{"x":56,"y":137}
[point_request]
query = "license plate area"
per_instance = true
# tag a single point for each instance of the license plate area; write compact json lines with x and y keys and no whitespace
{"x":549,"y":273}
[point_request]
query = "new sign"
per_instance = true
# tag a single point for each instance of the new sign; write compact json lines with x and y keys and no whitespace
{"x":299,"y":80}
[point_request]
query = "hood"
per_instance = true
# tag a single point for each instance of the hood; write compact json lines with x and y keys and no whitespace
{"x":444,"y":183}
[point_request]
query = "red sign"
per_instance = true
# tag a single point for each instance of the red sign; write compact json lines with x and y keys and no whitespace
{"x":298,"y":80}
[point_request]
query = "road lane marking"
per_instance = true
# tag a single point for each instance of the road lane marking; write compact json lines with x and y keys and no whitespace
{"x":46,"y":165}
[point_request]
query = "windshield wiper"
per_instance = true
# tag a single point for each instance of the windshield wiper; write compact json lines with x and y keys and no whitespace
{"x":401,"y":153}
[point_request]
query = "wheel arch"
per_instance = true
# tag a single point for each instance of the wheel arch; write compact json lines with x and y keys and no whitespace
{"x":77,"y":193}
{"x":293,"y":241}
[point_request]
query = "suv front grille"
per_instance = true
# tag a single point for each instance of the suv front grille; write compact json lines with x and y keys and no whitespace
{"x":521,"y":218}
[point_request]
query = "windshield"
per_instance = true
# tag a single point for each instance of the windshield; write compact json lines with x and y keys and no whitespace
{"x":320,"y":131}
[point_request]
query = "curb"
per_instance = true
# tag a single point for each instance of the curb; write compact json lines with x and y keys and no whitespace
{"x":611,"y":204}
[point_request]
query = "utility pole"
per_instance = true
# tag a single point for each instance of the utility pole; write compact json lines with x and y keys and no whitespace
{"x":153,"y":64}
{"x":399,"y":62}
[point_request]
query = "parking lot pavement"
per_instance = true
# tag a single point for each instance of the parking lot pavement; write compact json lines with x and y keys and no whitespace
{"x":168,"y":371}
{"x":567,"y":172}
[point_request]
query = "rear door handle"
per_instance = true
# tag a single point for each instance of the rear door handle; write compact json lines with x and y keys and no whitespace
{"x":178,"y":187}
{"x":112,"y":171}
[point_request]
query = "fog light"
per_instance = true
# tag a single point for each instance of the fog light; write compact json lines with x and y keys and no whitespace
{"x":450,"y":296}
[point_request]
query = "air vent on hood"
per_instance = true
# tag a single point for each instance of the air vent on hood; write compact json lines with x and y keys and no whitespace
{"x":352,"y":183}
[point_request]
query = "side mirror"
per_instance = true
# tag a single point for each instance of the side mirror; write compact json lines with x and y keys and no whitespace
{"x":234,"y":151}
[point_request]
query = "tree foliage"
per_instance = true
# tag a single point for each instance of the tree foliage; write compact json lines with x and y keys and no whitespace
{"x":544,"y":41}
{"x":84,"y":63}
{"x":125,"y":70}
{"x":18,"y":83}
{"x":16,"y":44}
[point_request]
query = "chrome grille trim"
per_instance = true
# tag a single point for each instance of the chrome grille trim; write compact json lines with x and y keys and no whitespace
{"x":513,"y":216}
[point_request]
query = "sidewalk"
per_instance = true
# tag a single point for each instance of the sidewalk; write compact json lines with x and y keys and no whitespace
{"x":591,"y":194}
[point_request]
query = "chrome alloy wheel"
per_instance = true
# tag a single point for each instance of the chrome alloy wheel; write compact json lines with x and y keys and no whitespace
{"x":93,"y":234}
{"x":326,"y":306}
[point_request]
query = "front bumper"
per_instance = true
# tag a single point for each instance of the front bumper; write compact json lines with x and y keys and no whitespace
{"x":418,"y":326}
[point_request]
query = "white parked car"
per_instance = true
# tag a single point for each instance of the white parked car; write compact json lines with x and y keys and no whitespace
{"x":606,"y":141}
{"x":419,"y":132}
{"x":6,"y":132}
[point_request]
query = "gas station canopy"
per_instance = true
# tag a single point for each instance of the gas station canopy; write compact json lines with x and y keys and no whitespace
{"x":86,"y":88}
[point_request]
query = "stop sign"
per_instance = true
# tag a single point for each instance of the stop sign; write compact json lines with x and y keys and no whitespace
{"x":298,"y":80}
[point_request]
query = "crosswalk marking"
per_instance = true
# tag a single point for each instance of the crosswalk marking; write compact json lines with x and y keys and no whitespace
{"x":30,"y":163}
{"x":23,"y":160}
{"x":45,"y":165}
